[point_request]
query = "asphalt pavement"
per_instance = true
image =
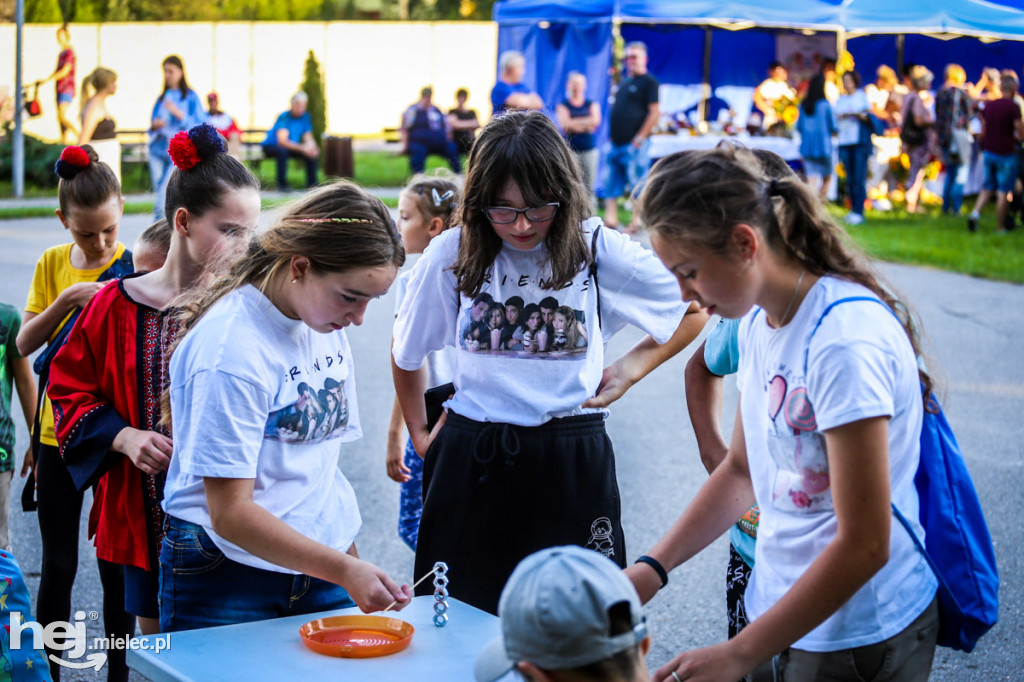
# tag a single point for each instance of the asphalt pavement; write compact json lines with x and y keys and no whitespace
{"x":973,"y":330}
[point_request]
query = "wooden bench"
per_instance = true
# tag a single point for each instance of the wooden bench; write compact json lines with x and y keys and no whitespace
{"x":135,"y":146}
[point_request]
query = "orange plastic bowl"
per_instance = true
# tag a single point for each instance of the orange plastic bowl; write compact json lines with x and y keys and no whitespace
{"x":357,"y":636}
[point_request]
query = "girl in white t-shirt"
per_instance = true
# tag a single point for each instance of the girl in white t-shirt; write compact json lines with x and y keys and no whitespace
{"x":826,"y":437}
{"x":261,"y":522}
{"x":522,"y":461}
{"x":426,"y":208}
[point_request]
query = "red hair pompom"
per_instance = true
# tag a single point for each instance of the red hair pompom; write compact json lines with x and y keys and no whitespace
{"x":76,"y":156}
{"x":183,"y":151}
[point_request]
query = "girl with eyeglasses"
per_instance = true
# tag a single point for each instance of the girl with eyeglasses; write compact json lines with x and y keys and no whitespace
{"x":521,"y":460}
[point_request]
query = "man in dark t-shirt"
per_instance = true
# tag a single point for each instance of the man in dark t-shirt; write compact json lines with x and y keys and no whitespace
{"x":1001,"y":126}
{"x":634,"y":114}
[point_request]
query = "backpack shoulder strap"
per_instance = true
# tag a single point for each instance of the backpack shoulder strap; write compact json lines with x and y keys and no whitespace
{"x":593,"y":273}
{"x":828,"y":309}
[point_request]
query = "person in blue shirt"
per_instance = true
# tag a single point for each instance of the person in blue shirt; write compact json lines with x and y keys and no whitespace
{"x":292,"y":136}
{"x":816,"y":125}
{"x":425,"y":131}
{"x":510,"y":92}
{"x":177,"y":108}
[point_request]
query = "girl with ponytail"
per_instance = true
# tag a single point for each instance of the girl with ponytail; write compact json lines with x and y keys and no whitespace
{"x":261,"y":522}
{"x":827,"y":434}
{"x":98,"y":128}
{"x":107,"y":380}
{"x":66,"y":278}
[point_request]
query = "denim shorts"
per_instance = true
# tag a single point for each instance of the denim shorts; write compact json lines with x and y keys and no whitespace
{"x":820,"y":167}
{"x":624,"y":167}
{"x":200,"y":587}
{"x":65,"y":97}
{"x":1000,"y":172}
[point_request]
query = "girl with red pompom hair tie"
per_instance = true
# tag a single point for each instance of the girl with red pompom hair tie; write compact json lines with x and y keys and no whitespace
{"x":107,"y":380}
{"x":66,"y":278}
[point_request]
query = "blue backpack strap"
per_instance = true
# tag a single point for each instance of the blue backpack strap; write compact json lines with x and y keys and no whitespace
{"x":828,"y":309}
{"x":961,"y":557}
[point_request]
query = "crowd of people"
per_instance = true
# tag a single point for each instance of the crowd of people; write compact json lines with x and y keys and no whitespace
{"x":218,"y":497}
{"x":958,"y":123}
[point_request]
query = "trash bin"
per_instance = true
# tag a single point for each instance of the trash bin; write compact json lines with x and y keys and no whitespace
{"x":338,"y":160}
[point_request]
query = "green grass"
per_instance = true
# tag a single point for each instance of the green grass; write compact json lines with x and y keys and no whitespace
{"x":372,"y":169}
{"x":942,"y":242}
{"x":934,"y":240}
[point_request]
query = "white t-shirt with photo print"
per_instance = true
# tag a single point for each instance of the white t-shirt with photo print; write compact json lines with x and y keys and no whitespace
{"x":860,"y":365}
{"x":520,"y":386}
{"x":257,"y":395}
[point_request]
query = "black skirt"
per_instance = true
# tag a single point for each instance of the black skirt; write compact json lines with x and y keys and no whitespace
{"x":495,"y":493}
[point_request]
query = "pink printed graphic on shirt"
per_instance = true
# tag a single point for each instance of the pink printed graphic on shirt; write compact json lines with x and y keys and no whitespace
{"x":798,"y":450}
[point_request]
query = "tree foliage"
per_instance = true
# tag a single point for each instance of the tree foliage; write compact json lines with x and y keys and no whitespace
{"x":55,"y":11}
{"x":313,"y":86}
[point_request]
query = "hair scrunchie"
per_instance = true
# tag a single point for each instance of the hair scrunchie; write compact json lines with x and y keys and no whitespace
{"x":71,"y":162}
{"x":187,"y":149}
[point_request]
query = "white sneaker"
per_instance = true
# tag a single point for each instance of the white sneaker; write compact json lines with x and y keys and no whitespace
{"x":854,"y":219}
{"x":882,"y":205}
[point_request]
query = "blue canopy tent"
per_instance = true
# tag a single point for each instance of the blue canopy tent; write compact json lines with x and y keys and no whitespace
{"x":558,"y":37}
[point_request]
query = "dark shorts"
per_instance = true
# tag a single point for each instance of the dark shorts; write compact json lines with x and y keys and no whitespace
{"x":496,"y":493}
{"x":142,"y":592}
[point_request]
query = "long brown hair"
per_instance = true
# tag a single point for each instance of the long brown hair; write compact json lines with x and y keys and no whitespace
{"x":527,"y":149}
{"x":698,"y":197}
{"x":337,"y":227}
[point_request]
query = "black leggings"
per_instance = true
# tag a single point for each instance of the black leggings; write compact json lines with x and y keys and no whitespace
{"x":60,"y":510}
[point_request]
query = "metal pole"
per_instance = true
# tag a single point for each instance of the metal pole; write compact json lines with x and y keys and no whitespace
{"x":19,"y":105}
{"x":705,"y":104}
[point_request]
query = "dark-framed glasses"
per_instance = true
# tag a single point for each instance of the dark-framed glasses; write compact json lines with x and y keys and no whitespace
{"x":503,"y":215}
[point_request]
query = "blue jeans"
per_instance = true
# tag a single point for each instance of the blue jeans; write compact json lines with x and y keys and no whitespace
{"x":281,"y":156}
{"x":160,"y":167}
{"x":953,"y":188}
{"x":624,"y":167}
{"x":200,"y":587}
{"x":855,"y":160}
{"x":411,"y":501}
{"x":420,"y":149}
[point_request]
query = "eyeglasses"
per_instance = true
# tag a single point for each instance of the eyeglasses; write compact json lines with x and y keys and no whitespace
{"x":632,"y":56}
{"x":503,"y":215}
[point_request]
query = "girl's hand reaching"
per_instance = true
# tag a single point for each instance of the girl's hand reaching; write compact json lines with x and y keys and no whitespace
{"x":713,"y":663}
{"x":614,"y":384}
{"x":372,"y":589}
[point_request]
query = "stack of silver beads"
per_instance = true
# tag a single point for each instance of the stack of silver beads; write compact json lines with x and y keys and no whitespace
{"x":440,"y":594}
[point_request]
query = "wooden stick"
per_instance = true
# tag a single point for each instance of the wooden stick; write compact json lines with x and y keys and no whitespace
{"x":392,"y":604}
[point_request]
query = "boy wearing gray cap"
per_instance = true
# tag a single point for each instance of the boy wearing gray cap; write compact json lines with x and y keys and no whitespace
{"x":568,"y":613}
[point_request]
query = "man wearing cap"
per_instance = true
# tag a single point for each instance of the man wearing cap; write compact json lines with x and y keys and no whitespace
{"x":568,"y":613}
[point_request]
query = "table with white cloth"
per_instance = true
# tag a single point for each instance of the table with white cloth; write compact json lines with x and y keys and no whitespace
{"x":663,"y":145}
{"x":273,"y":650}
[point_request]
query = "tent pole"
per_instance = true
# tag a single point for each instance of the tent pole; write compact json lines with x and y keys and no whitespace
{"x":706,"y":76}
{"x":900,"y":44}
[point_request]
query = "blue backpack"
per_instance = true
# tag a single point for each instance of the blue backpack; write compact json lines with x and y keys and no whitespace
{"x":957,"y":543}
